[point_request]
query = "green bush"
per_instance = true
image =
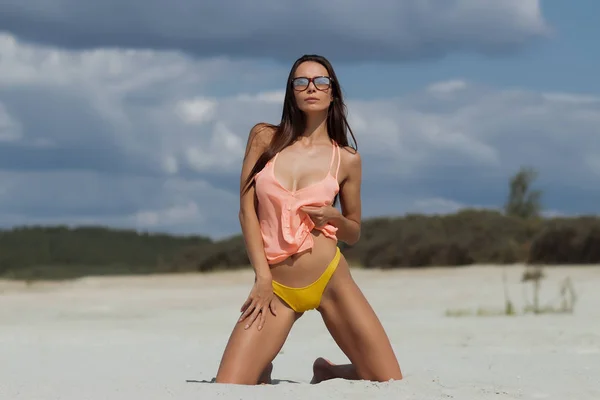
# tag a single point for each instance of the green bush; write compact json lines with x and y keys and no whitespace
{"x":567,"y":241}
{"x":412,"y":241}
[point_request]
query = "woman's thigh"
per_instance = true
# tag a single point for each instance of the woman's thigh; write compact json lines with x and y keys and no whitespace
{"x":249,"y":351}
{"x":356,"y":328}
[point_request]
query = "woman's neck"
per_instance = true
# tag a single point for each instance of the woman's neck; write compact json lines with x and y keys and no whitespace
{"x":316,"y":128}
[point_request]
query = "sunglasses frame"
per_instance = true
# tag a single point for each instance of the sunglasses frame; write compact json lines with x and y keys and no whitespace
{"x":313,"y":82}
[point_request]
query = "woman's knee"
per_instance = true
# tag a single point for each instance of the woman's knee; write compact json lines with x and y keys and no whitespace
{"x":235,"y":378}
{"x":249,"y":351}
{"x":386,"y":376}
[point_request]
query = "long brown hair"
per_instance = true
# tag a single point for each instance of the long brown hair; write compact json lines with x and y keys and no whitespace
{"x":293,"y":120}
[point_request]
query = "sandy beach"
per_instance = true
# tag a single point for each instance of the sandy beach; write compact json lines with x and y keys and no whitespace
{"x":161,"y":337}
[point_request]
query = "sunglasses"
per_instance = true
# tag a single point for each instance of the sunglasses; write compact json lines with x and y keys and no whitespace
{"x":321,"y":83}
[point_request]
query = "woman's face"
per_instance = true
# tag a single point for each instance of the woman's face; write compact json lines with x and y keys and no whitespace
{"x":312,"y":87}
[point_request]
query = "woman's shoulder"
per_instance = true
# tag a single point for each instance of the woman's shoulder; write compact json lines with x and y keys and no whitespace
{"x":350,"y":157}
{"x":261,"y":134}
{"x":263,"y":127}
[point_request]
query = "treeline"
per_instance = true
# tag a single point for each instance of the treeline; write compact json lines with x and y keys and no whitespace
{"x":477,"y":237}
{"x":517,"y":235}
{"x":33,"y":252}
{"x":466,"y":237}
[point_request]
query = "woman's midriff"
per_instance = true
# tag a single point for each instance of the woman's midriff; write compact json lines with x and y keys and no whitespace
{"x":304,"y":268}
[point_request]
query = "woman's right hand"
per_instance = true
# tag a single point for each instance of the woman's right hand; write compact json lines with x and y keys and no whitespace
{"x":260,"y":300}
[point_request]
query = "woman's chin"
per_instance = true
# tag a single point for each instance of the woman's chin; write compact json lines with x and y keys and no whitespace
{"x":313,"y":109}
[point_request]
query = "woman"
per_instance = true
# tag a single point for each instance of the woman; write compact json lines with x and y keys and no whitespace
{"x":291,"y":177}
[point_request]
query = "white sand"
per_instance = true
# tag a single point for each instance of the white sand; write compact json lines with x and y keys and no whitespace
{"x":158,"y":338}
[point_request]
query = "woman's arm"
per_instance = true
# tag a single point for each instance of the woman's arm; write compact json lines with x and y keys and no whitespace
{"x":258,"y":139}
{"x":348,"y":220}
{"x":261,"y":296}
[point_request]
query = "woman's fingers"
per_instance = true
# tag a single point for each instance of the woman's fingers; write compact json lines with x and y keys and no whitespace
{"x":253,"y":316}
{"x":248,"y":310}
{"x":246,"y":304}
{"x":257,"y":310}
{"x":261,"y":319}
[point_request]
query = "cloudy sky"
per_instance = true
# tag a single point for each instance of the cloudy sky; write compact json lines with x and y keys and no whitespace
{"x":135,"y":113}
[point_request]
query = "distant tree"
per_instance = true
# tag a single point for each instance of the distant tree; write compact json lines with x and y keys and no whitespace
{"x":523,"y":201}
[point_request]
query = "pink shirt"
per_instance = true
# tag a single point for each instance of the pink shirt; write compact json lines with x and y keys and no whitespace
{"x":284,"y":227}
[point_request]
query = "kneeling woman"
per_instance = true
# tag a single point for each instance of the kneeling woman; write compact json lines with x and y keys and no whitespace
{"x":291,"y":176}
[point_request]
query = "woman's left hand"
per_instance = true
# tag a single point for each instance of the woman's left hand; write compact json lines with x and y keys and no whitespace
{"x":321,"y":215}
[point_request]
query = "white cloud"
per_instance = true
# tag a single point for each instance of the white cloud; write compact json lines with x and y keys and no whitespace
{"x":170,"y":165}
{"x":10,"y":130}
{"x":197,"y":110}
{"x":174,"y":216}
{"x":358,"y":30}
{"x":140,"y":139}
{"x":571,"y":98}
{"x":592,"y":160}
{"x":224,"y":151}
{"x":266,"y":97}
{"x":146,"y":107}
{"x":447,"y":87}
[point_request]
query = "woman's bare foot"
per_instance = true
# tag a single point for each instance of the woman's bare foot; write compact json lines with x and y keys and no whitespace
{"x":322,"y":370}
{"x":265,"y":377}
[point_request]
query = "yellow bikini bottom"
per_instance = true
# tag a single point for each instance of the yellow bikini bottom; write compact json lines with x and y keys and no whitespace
{"x":307,"y":297}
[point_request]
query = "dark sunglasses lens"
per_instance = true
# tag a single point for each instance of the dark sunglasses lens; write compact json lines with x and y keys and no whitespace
{"x":322,"y":83}
{"x":300,"y":83}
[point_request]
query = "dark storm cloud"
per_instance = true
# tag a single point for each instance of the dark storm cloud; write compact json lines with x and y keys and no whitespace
{"x":377,"y":30}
